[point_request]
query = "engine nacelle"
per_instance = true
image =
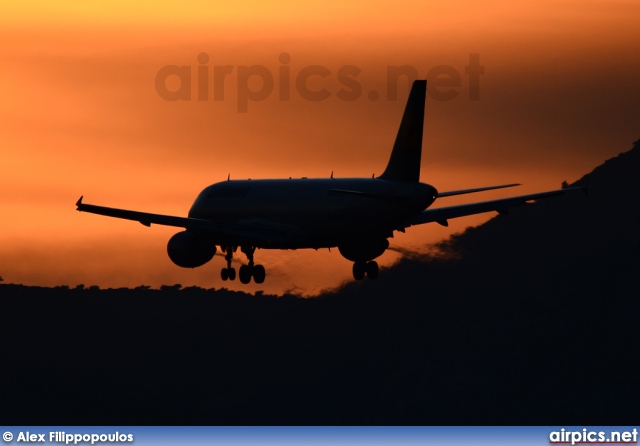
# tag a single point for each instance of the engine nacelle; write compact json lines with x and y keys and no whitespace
{"x":363,"y":250}
{"x":190,"y":250}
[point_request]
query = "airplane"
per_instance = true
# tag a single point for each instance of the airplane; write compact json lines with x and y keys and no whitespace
{"x":355,"y":215}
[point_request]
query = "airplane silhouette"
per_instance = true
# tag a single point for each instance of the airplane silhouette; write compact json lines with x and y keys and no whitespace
{"x":356,"y":215}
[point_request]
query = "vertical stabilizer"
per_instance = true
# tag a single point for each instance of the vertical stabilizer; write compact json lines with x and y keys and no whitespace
{"x":404,"y":163}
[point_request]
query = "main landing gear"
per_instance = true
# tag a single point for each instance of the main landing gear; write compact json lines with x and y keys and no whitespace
{"x":246,"y":272}
{"x":369,"y":268}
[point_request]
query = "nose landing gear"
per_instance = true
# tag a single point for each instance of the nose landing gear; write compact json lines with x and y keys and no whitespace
{"x":228,"y":272}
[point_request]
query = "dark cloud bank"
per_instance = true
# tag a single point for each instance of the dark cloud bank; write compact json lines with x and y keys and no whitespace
{"x":535,"y":321}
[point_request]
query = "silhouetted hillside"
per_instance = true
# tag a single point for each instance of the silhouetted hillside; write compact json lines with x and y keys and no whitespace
{"x":567,"y":233}
{"x":533,"y":322}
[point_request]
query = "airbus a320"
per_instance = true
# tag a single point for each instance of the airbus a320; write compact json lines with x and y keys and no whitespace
{"x":355,"y":215}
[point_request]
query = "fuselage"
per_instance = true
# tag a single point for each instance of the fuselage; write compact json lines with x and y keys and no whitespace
{"x":315,"y":212}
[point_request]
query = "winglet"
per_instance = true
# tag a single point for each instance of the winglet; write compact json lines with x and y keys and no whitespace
{"x":79,"y":202}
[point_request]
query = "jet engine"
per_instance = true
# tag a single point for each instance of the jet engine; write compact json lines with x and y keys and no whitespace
{"x":363,"y":250}
{"x":190,"y":250}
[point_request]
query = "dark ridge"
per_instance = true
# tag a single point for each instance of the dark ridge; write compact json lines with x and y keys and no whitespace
{"x":535,"y":321}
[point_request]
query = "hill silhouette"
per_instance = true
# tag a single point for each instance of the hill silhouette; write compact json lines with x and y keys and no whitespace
{"x":530,"y":318}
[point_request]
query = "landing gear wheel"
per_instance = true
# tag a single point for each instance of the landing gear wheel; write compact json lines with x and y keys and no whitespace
{"x":359,"y":270}
{"x":372,"y":270}
{"x":228,"y":273}
{"x":259,"y":273}
{"x":245,"y":274}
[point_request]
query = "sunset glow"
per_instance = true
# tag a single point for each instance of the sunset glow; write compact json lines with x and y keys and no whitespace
{"x":81,"y":115}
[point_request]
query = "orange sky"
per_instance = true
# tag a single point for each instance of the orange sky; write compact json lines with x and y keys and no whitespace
{"x":80,"y":115}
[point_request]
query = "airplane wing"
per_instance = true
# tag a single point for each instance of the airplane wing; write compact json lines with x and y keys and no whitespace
{"x":249,"y":233}
{"x":477,"y":189}
{"x":443,"y":214}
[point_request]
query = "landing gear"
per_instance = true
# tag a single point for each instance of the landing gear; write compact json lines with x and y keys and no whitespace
{"x":228,"y":272}
{"x":369,"y":268}
{"x":372,"y":270}
{"x":259,"y":273}
{"x":246,"y":272}
{"x":256,"y":271}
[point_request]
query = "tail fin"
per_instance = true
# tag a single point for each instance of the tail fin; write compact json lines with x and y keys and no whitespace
{"x":404,"y":163}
